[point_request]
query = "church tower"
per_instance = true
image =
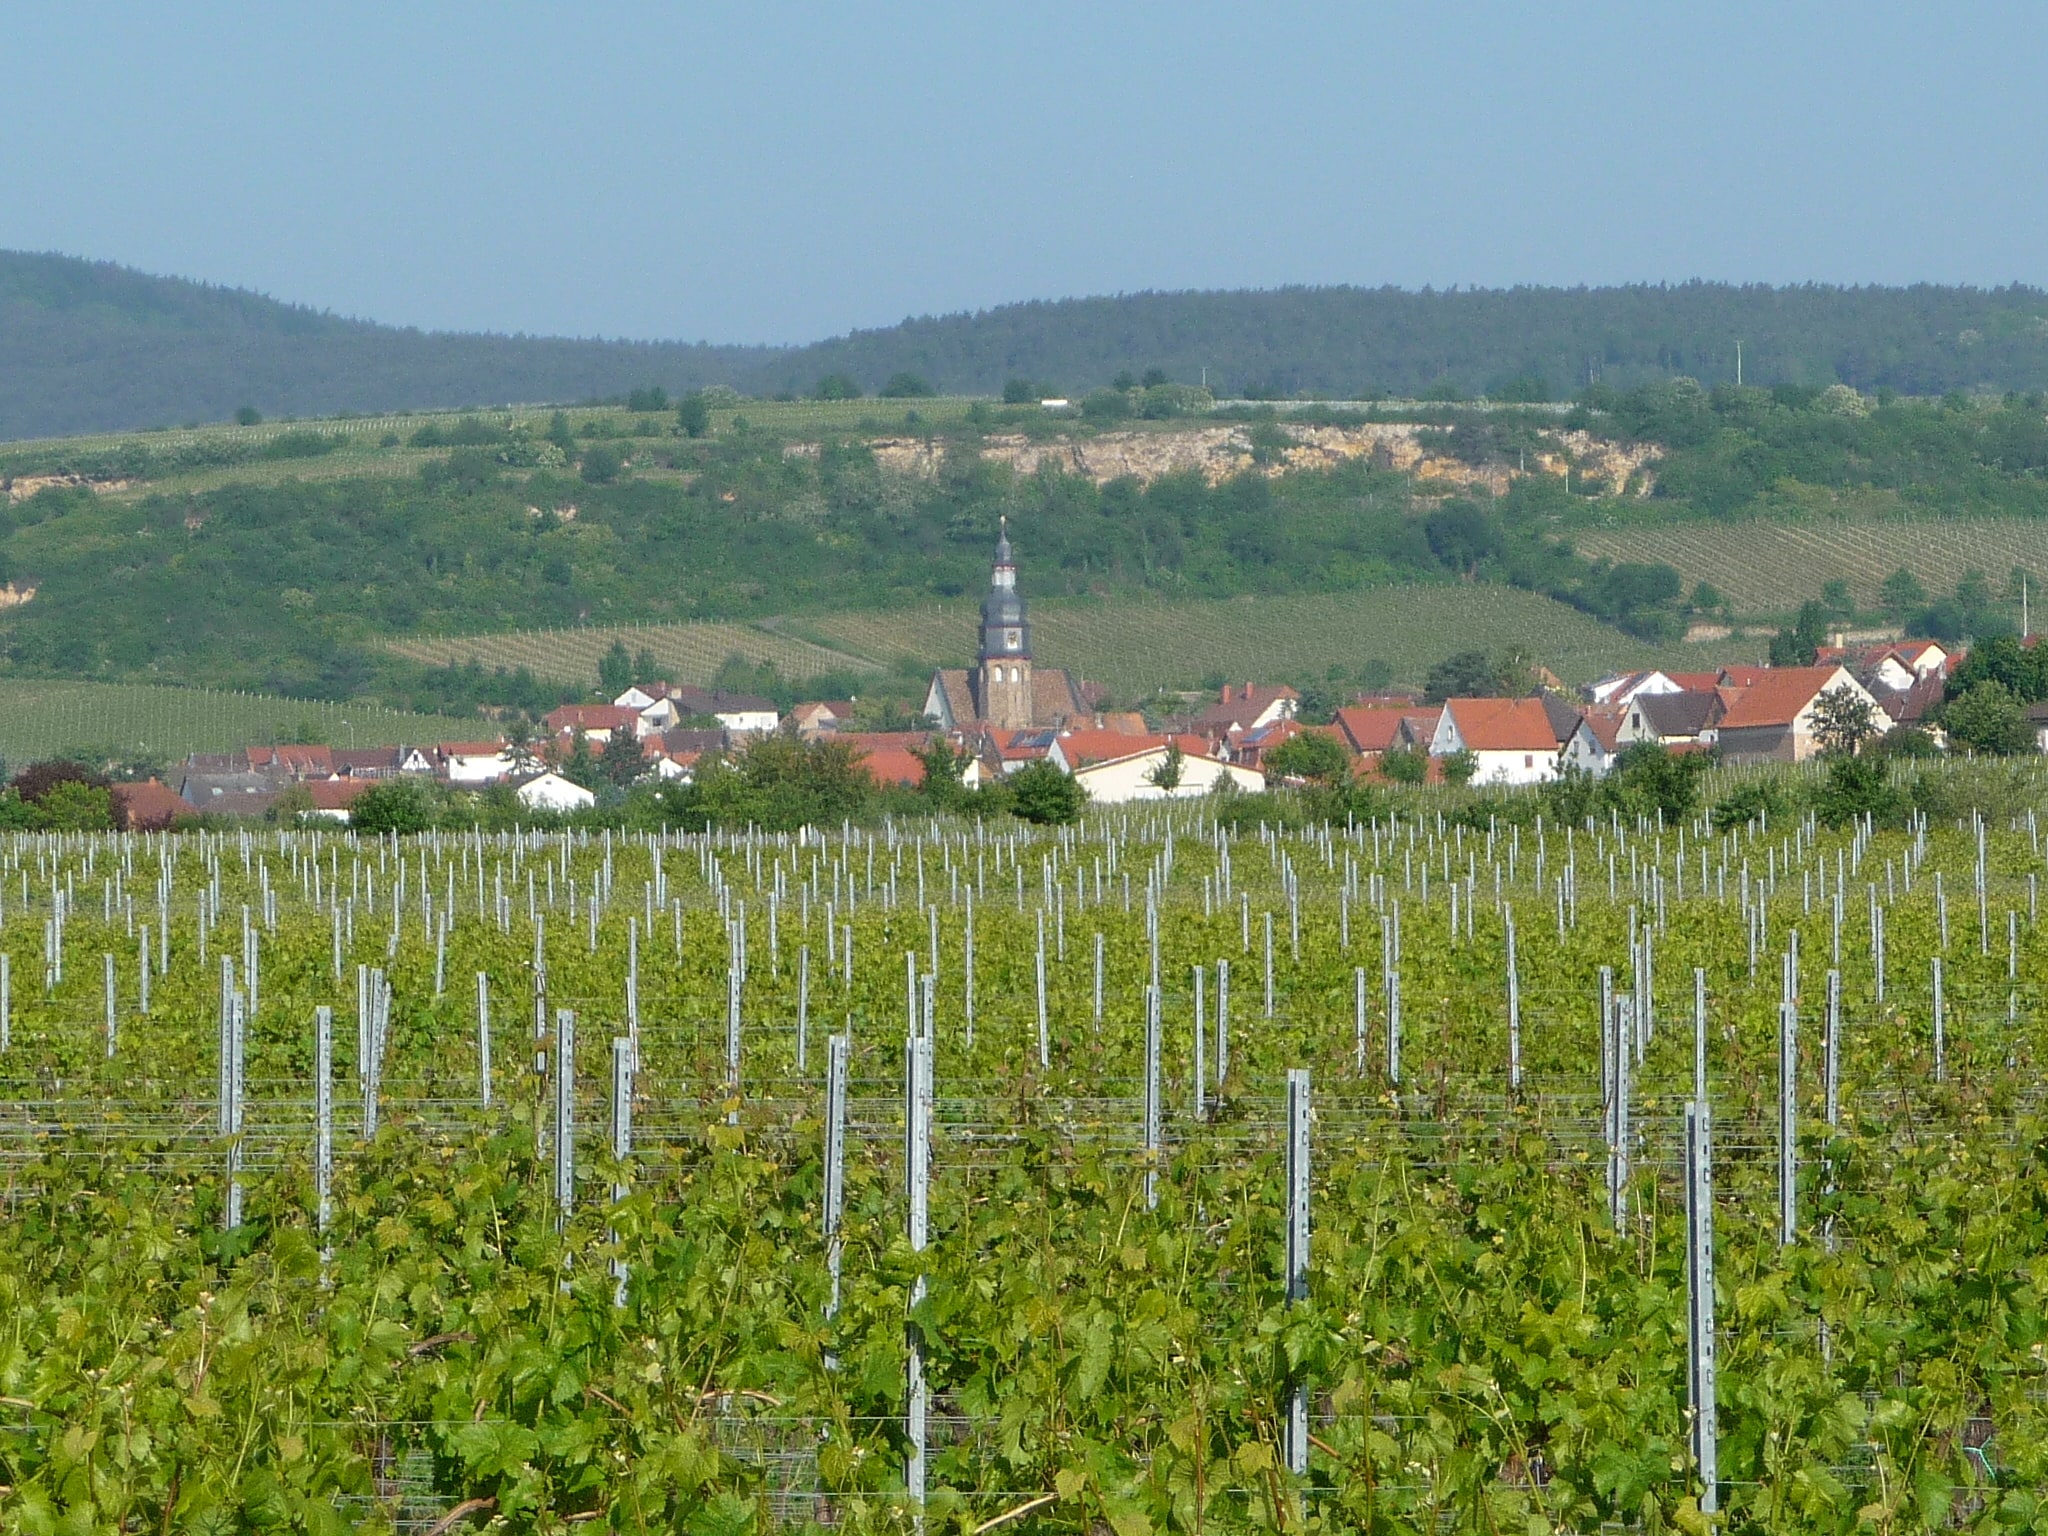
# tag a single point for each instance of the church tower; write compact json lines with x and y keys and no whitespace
{"x":1005,"y":664}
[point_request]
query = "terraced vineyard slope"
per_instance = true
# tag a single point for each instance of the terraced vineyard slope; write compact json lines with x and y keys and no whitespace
{"x":38,"y":718}
{"x":1768,"y":568}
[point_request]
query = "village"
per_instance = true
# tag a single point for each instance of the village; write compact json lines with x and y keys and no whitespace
{"x":1006,"y":713}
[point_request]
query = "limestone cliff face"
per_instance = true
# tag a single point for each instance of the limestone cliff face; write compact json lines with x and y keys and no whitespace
{"x":21,"y":487}
{"x":1220,"y":452}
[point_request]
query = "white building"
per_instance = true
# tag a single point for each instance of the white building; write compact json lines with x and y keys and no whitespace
{"x":1511,"y":740}
{"x":1116,"y":768}
{"x":552,"y":792}
{"x":475,"y":762}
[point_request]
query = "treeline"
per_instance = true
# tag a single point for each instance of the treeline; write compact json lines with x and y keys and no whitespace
{"x":89,"y":346}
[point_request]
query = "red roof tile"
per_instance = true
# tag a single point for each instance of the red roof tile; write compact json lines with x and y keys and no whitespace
{"x":1777,"y":697}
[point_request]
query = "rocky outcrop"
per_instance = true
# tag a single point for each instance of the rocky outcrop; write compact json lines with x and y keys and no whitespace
{"x":1220,"y":452}
{"x":21,"y":487}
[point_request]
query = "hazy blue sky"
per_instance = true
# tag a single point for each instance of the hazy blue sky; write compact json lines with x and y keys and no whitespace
{"x":772,"y":172}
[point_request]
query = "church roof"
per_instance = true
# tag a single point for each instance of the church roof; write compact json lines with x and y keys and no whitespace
{"x":1056,"y":696}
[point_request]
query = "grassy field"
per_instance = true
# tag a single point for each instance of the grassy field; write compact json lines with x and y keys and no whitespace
{"x":39,"y":718}
{"x":1134,"y":647}
{"x":1774,"y":567}
{"x":687,"y":653}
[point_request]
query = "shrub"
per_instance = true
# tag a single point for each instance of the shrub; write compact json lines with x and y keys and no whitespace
{"x":1040,"y":793}
{"x":403,"y":806}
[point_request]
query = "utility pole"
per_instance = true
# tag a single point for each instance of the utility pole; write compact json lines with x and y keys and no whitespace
{"x":1738,"y":365}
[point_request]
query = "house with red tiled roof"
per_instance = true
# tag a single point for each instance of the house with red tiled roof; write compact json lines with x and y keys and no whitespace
{"x":1115,"y":767}
{"x":1595,"y":739}
{"x":1742,"y":675}
{"x":1623,"y":687}
{"x":1369,"y":730}
{"x":472,"y":762}
{"x":821,"y":717}
{"x":594,"y":722}
{"x":1512,"y":741}
{"x":292,"y":761}
{"x":150,"y":806}
{"x":1674,"y":719}
{"x":1246,"y":708}
{"x":1001,"y":751}
{"x":333,"y":798}
{"x":1772,"y":718}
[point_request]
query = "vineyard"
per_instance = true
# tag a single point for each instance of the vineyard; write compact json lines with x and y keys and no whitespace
{"x":39,"y":718}
{"x":1140,"y":1177}
{"x":1137,"y":646}
{"x":1133,"y":647}
{"x":686,"y":653}
{"x":1765,"y":568}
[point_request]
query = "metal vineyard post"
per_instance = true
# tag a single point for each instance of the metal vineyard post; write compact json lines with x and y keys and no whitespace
{"x":1296,"y":1175}
{"x":1699,"y":1274}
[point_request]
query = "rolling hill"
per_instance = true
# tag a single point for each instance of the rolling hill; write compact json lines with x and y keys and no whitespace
{"x":91,"y":346}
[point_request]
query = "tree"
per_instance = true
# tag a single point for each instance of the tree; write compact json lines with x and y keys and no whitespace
{"x":1026,"y":392}
{"x":602,"y":464}
{"x":1105,"y":405}
{"x":1311,"y":757}
{"x":654,"y":398}
{"x":780,"y":783}
{"x":837,"y":386}
{"x":1168,"y":774}
{"x":693,"y":414}
{"x":1989,"y":718}
{"x":1854,"y":788}
{"x":1903,"y":741}
{"x":1799,"y":645}
{"x":580,"y":767}
{"x":645,"y":667}
{"x":1462,"y":536}
{"x":1040,"y":793}
{"x":519,"y":741}
{"x":945,"y":770}
{"x":39,"y":780}
{"x":1900,"y":593}
{"x":401,"y":805}
{"x":1405,"y":765}
{"x":615,"y":670}
{"x":74,"y":806}
{"x":1842,"y":721}
{"x":2020,"y":669}
{"x":248,"y":416}
{"x":1651,"y":778}
{"x":907,"y":386}
{"x":1707,"y":598}
{"x":1837,"y":598}
{"x":1973,"y":596}
{"x":622,"y":761}
{"x":1458,"y":767}
{"x":1470,"y":675}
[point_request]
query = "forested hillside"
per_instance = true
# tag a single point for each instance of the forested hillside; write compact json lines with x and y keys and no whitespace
{"x":89,"y":346}
{"x":290,"y":561}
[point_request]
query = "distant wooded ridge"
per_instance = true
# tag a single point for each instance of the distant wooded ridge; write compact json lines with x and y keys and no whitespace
{"x":94,"y":347}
